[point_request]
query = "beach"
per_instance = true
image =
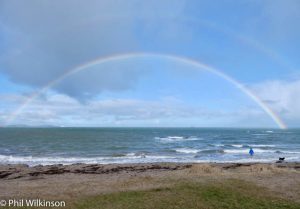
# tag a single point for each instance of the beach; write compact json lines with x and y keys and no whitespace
{"x":72,"y":183}
{"x":110,"y":168}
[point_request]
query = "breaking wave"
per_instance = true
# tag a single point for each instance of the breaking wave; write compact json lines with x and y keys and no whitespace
{"x":187,"y":150}
{"x":129,"y":158}
{"x":170,"y":139}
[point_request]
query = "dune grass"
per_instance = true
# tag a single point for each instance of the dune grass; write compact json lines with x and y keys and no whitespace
{"x":230,"y":194}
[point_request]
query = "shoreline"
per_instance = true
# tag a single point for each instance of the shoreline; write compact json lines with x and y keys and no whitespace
{"x":144,"y":160}
{"x":78,"y":181}
{"x":16,"y":171}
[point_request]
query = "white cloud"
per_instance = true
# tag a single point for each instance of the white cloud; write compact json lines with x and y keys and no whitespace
{"x":58,"y":109}
{"x":283,"y":97}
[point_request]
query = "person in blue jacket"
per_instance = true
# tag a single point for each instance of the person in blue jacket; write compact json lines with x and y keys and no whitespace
{"x":251,"y":152}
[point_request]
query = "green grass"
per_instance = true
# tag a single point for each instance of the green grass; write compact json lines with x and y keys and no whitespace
{"x":230,"y":194}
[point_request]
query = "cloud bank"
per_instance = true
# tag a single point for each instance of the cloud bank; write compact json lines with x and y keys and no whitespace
{"x":59,"y":109}
{"x":44,"y":39}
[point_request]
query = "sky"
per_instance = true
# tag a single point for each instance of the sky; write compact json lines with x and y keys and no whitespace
{"x":135,"y":63}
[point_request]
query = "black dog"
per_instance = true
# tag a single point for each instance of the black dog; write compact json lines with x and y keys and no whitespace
{"x":281,"y":159}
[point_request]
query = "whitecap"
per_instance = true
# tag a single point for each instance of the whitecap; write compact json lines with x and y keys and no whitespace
{"x":237,"y":145}
{"x":217,"y":145}
{"x":246,"y":151}
{"x":130,"y":158}
{"x":290,"y":152}
{"x":187,"y":150}
{"x":176,"y":138}
{"x":262,"y":145}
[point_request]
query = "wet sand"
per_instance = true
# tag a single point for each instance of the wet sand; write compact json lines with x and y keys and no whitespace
{"x":70,"y":182}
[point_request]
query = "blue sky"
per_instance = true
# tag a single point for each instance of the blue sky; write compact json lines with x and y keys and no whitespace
{"x":255,"y":42}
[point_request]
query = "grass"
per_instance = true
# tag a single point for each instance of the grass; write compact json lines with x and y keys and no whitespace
{"x":230,"y":194}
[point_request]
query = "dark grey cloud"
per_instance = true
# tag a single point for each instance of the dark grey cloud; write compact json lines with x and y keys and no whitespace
{"x":46,"y":38}
{"x":118,"y":76}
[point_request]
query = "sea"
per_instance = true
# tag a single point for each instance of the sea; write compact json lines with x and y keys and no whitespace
{"x":47,"y":146}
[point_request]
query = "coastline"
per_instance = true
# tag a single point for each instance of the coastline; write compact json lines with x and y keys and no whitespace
{"x":70,"y":182}
{"x":17,"y":171}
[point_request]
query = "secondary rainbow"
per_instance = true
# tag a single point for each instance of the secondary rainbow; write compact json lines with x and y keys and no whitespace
{"x":199,"y":65}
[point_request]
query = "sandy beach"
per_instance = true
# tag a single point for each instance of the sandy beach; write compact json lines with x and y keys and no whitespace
{"x":72,"y":182}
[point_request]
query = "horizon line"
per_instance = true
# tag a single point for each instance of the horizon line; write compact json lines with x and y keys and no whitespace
{"x":226,"y":127}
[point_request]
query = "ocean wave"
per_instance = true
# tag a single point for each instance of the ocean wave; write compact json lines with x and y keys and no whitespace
{"x":288,"y":152}
{"x":187,"y":150}
{"x":292,"y":152}
{"x":129,"y":158}
{"x":262,"y":145}
{"x":33,"y":161}
{"x":246,"y":151}
{"x":131,"y":154}
{"x":137,"y":154}
{"x":237,"y":145}
{"x":177,"y":138}
{"x":212,"y":151}
{"x":217,"y":145}
{"x":246,"y":145}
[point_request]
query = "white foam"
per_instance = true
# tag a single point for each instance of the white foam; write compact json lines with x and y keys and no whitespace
{"x":32,"y":161}
{"x":187,"y":150}
{"x":130,"y":158}
{"x":236,"y":151}
{"x":248,"y":160}
{"x":293,"y":158}
{"x":262,"y":145}
{"x":176,"y":139}
{"x":218,"y":145}
{"x":237,"y":145}
{"x":263,"y":151}
{"x":246,"y":151}
{"x":131,"y":154}
{"x":290,"y":152}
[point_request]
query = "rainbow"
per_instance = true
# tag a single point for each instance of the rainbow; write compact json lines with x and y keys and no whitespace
{"x":273,"y":55}
{"x":117,"y":57}
{"x":240,"y":38}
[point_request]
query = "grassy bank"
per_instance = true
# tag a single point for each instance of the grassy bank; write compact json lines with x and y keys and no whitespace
{"x":229,"y":194}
